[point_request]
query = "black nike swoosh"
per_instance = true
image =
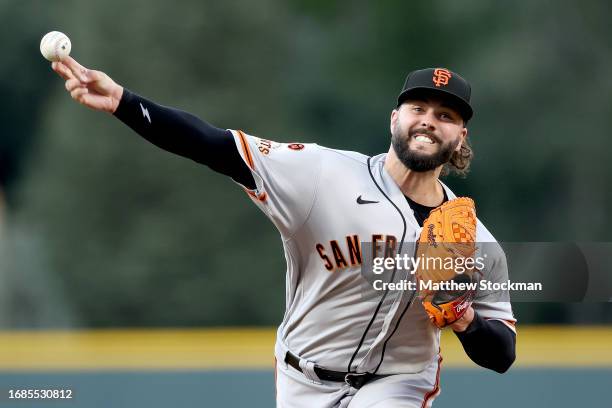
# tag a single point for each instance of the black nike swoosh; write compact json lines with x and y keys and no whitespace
{"x":362,"y":201}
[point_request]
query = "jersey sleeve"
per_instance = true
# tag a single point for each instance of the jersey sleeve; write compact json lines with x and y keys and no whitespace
{"x":286,"y":177}
{"x":493,"y":305}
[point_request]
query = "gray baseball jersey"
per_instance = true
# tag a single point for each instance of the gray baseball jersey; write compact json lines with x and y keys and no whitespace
{"x":325,"y":203}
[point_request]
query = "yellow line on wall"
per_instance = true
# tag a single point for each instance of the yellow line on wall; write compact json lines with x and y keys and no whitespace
{"x":546,"y":346}
{"x":137,"y":349}
{"x":240,"y":349}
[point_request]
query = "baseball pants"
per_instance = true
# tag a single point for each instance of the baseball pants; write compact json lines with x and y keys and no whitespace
{"x":295,"y":390}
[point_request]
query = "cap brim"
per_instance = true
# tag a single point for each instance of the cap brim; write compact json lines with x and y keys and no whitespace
{"x":464,"y":108}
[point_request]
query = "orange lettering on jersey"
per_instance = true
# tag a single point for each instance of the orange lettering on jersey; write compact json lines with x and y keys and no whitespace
{"x":390,"y":244}
{"x":264,"y":146}
{"x":376,"y":241}
{"x":354,"y":248}
{"x":328,"y":264}
{"x":382,"y":246}
{"x":441,"y":76}
{"x":338,"y":256}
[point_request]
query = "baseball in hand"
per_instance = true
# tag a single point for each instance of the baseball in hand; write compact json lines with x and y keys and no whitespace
{"x":55,"y":46}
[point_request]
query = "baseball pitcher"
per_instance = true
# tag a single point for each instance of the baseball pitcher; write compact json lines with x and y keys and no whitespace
{"x":338,"y":212}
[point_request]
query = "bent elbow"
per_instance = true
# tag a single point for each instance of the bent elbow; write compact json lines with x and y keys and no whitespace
{"x":507,"y":362}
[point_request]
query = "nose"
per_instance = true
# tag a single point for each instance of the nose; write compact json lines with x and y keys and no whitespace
{"x":428,"y":120}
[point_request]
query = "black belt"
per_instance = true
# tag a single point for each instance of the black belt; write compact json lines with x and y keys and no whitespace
{"x":355,"y":380}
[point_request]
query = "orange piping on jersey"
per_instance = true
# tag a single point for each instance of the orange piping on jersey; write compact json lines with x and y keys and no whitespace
{"x":246,"y":150}
{"x":249,"y":159}
{"x":261,"y":197}
{"x":436,"y":388}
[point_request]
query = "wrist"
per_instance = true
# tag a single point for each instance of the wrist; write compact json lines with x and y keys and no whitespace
{"x":464,"y":322}
{"x":116,"y":98}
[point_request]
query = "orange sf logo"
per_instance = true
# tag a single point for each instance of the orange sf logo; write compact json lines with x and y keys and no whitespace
{"x":441,"y":76}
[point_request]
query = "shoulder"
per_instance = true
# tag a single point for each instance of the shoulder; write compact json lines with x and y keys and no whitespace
{"x":345,"y":155}
{"x":267,"y":152}
{"x":483,"y":234}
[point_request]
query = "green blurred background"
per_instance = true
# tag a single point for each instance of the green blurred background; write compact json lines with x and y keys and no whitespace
{"x":102,"y":230}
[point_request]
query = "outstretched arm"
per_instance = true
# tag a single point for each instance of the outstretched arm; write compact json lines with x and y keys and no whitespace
{"x":168,"y":128}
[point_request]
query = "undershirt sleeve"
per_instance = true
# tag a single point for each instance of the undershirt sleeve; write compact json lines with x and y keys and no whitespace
{"x":184,"y":134}
{"x":489,"y":343}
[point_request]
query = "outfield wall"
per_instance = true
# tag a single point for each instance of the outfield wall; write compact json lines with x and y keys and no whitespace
{"x":556,"y":366}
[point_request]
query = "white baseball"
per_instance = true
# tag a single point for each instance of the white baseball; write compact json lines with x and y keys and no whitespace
{"x":55,"y":46}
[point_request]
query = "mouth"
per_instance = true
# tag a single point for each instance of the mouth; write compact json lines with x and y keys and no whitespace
{"x":423,"y":138}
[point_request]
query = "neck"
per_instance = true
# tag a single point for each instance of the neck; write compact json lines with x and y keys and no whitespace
{"x":421,"y":187}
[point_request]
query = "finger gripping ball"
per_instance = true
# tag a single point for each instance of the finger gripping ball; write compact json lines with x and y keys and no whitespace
{"x":55,"y":46}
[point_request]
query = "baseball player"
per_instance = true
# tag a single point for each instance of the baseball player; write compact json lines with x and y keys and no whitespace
{"x":336,"y":347}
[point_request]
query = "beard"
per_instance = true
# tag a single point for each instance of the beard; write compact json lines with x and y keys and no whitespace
{"x":418,"y":161}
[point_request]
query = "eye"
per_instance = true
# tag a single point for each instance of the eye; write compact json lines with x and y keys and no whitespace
{"x":417,"y":109}
{"x":447,"y":116}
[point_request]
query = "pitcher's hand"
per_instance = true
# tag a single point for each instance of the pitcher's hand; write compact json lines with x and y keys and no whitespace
{"x":92,"y":88}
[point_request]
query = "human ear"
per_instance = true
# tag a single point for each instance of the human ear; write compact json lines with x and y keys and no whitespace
{"x":464,"y":133}
{"x":394,"y":119}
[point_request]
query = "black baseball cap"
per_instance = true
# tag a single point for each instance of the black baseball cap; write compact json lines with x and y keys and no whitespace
{"x":442,"y":81}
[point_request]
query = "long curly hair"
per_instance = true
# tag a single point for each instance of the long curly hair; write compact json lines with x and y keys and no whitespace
{"x":459,"y":163}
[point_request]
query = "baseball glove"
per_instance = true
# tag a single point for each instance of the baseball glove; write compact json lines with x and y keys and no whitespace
{"x":446,"y":247}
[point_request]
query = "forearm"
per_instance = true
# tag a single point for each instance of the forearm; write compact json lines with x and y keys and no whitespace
{"x":184,"y":134}
{"x":489,"y":343}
